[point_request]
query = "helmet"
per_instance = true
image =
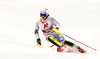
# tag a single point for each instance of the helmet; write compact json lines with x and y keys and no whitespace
{"x":44,"y":12}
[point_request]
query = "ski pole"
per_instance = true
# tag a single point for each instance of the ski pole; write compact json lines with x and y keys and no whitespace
{"x":79,"y":42}
{"x":57,"y":31}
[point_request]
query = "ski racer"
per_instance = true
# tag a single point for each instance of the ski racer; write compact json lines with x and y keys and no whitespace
{"x":48,"y":24}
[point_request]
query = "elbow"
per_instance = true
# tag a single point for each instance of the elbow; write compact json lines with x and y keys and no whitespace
{"x":36,"y":31}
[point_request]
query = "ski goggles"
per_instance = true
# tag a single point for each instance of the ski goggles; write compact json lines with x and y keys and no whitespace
{"x":41,"y":14}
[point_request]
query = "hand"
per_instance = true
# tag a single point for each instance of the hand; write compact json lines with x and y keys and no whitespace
{"x":39,"y":42}
{"x":56,"y":30}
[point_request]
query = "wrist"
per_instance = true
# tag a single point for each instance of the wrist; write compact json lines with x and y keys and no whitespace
{"x":38,"y":39}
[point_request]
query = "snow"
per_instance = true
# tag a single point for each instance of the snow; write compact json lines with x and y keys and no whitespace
{"x":79,"y":19}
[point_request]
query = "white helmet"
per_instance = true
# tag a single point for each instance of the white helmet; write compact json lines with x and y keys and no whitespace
{"x":44,"y":12}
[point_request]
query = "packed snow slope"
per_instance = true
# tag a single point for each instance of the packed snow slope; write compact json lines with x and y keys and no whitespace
{"x":79,"y":19}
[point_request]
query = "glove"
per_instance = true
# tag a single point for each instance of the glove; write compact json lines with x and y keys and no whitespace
{"x":38,"y":42}
{"x":56,"y":30}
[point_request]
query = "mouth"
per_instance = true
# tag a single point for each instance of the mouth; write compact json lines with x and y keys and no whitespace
{"x":43,"y":18}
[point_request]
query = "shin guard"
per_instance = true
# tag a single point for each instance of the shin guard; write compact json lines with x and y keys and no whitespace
{"x":55,"y":42}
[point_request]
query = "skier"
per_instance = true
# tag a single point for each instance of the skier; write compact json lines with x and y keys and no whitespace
{"x":48,"y":24}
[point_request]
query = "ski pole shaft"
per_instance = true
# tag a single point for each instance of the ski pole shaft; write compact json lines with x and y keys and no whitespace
{"x":79,"y":41}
